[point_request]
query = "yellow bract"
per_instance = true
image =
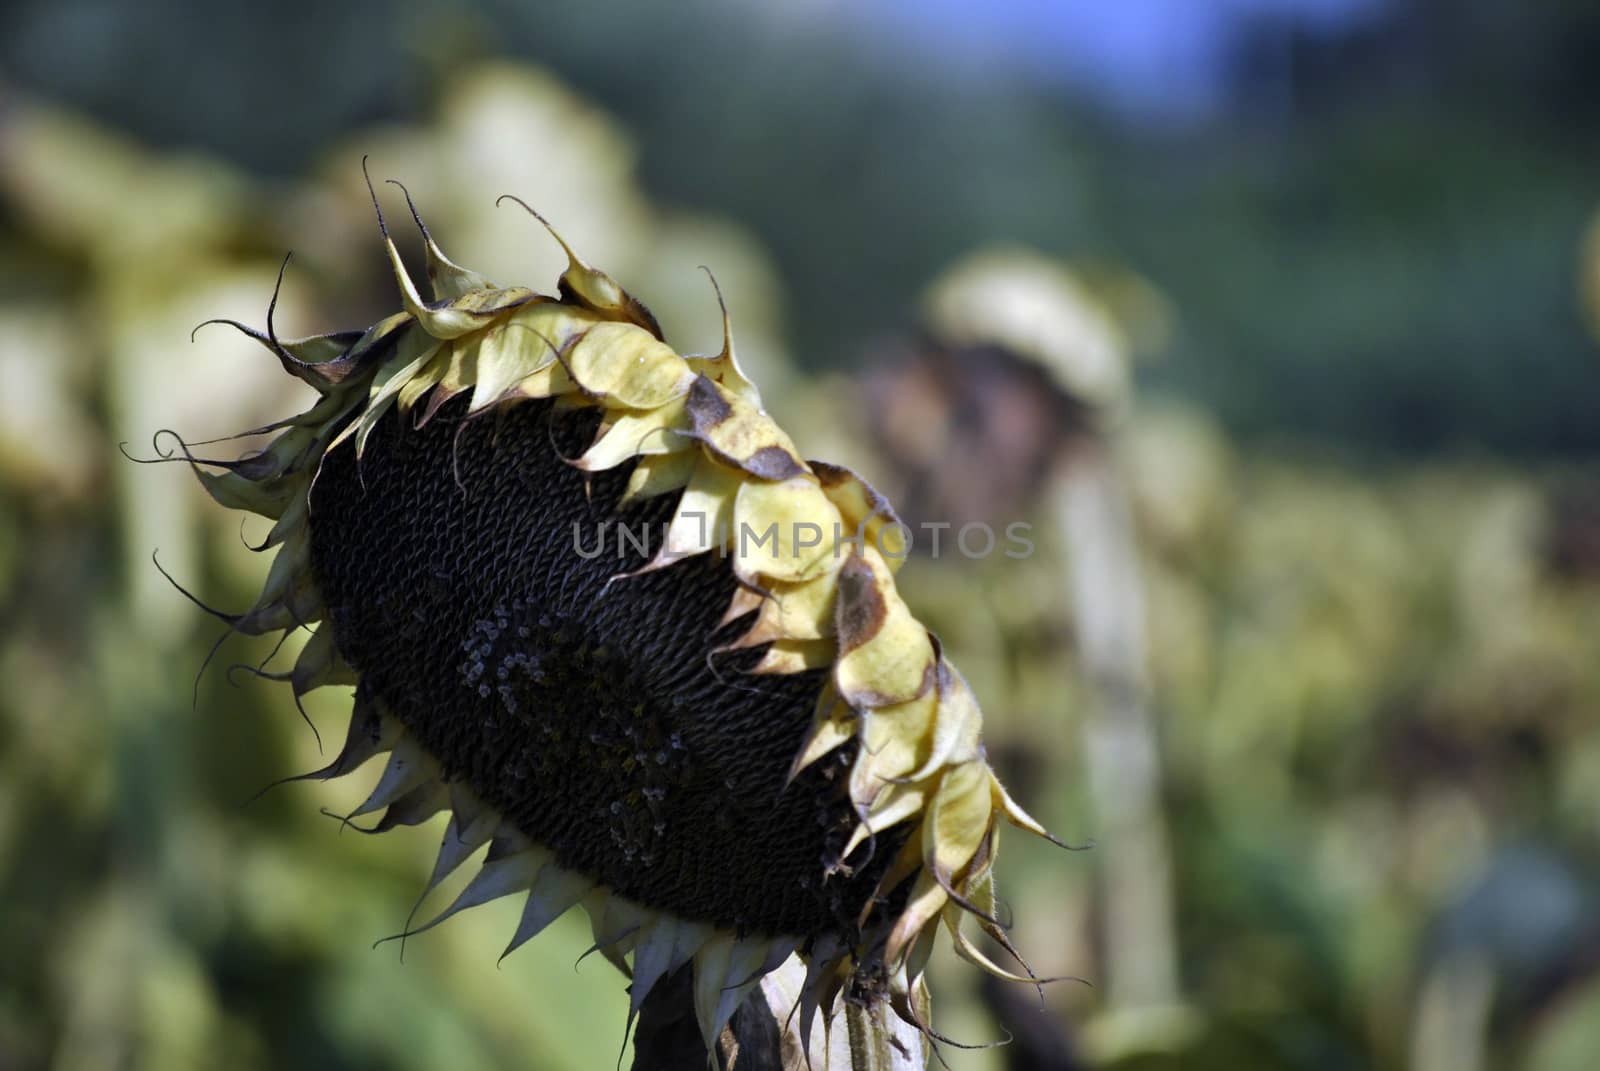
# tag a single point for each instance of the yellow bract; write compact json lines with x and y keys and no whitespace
{"x":623,"y":365}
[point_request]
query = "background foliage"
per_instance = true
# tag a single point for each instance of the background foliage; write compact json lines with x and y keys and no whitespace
{"x":1361,"y":458}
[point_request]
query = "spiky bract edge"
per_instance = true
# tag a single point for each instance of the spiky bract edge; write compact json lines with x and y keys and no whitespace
{"x":695,"y":424}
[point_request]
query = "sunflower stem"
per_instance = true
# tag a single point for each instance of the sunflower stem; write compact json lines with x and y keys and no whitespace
{"x":1120,"y":732}
{"x":880,"y":1042}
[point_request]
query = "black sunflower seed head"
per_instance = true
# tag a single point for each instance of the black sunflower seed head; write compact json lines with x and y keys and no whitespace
{"x":602,"y":717}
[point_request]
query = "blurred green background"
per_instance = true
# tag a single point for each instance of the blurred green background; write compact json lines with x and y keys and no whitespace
{"x":1360,"y":453}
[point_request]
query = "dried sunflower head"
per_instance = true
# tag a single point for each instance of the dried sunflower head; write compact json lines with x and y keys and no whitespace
{"x":722,"y":733}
